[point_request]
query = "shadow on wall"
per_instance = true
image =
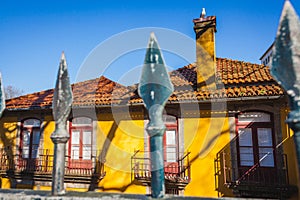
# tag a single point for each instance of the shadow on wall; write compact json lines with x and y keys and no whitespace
{"x":12,"y":163}
{"x":208,"y":145}
{"x":102,"y":157}
{"x":8,"y":137}
{"x":102,"y":160}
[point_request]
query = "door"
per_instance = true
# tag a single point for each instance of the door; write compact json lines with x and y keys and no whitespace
{"x":256,"y":148}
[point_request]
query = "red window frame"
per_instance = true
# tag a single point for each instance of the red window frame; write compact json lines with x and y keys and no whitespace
{"x":171,"y":166}
{"x":81,"y":161}
{"x":255,"y":126}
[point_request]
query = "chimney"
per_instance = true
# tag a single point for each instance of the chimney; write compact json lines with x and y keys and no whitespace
{"x":205,"y":28}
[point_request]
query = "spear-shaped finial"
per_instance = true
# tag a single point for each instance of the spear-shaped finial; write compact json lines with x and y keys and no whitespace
{"x":286,"y":59}
{"x":2,"y":97}
{"x":62,"y":98}
{"x":286,"y":65}
{"x":62,"y":101}
{"x":155,"y":88}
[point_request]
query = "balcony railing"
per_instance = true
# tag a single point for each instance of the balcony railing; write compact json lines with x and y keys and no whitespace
{"x":177,"y":173}
{"x":79,"y":170}
{"x":252,"y":181}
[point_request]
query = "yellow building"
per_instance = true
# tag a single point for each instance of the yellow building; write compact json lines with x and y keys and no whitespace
{"x":225,"y":136}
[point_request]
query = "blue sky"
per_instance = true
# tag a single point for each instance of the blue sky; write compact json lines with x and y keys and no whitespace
{"x":34,"y":33}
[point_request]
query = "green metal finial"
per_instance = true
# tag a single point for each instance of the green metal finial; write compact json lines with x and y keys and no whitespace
{"x":155,"y":86}
{"x":153,"y":54}
{"x":2,"y":97}
{"x":62,"y":98}
{"x":286,"y":66}
{"x":62,"y":101}
{"x":286,"y":59}
{"x":155,"y":89}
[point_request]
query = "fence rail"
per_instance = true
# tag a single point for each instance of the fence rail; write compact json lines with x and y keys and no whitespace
{"x":230,"y":173}
{"x":255,"y":180}
{"x":178,"y":170}
{"x":42,"y":163}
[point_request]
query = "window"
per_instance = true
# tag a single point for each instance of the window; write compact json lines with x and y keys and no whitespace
{"x":80,"y":144}
{"x":170,"y":140}
{"x":170,"y":144}
{"x":30,"y":138}
{"x":255,"y":139}
{"x":174,"y":168}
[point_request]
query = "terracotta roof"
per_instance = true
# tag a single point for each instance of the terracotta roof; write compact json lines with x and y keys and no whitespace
{"x":38,"y":99}
{"x":99,"y":91}
{"x":236,"y":79}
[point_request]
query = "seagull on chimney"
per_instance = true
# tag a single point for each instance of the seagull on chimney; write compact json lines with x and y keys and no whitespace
{"x":203,"y":13}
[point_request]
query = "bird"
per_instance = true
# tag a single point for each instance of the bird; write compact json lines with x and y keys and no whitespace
{"x":203,"y":13}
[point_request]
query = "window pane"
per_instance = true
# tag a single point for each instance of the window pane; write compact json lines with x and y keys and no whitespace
{"x":34,"y":151}
{"x":87,"y":153}
{"x":246,"y":156}
{"x":254,"y":117}
{"x":266,"y":157}
{"x":264,"y":136}
{"x":26,"y":138}
{"x":245,"y":136}
{"x":32,"y":122}
{"x":25,"y":152}
{"x":86,"y":138}
{"x":75,"y":137}
{"x":35,"y":137}
{"x":75,"y":152}
{"x":171,"y":154}
{"x":82,"y":121}
{"x":170,"y":137}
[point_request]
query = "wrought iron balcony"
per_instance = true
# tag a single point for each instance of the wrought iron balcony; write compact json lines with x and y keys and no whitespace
{"x":177,"y":172}
{"x":18,"y":166}
{"x":252,"y":181}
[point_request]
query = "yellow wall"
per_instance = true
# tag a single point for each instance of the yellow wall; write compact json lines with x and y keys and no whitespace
{"x":204,"y":138}
{"x":118,"y":141}
{"x":8,"y":128}
{"x":290,"y":151}
{"x":49,"y":127}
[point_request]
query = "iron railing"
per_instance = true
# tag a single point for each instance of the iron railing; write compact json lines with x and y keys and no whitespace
{"x":175,"y":171}
{"x":230,"y":173}
{"x":257,"y":180}
{"x":42,"y":164}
